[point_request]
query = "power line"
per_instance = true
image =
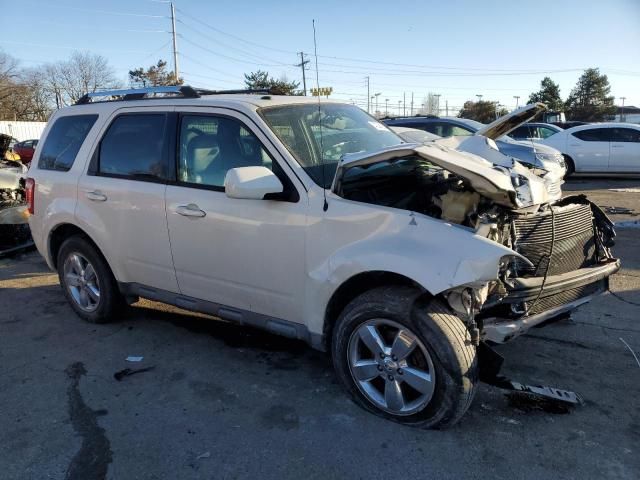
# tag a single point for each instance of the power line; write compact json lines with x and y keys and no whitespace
{"x":42,"y":45}
{"x":218,"y":54}
{"x":234,"y":36}
{"x":87,"y":10}
{"x":244,"y":52}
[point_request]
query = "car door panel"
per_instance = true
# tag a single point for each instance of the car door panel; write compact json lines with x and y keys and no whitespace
{"x":126,"y":215}
{"x":625,"y":150}
{"x":590,"y":149}
{"x":247,"y":254}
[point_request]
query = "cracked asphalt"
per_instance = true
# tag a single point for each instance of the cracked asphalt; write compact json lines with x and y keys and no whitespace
{"x":225,"y":402}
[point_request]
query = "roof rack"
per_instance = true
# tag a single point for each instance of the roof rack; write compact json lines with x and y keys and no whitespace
{"x":184,"y":91}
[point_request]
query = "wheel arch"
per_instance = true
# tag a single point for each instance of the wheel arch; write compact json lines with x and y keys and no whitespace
{"x":60,"y":233}
{"x":355,"y":286}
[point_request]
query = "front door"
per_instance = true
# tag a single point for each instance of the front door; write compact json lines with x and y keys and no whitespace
{"x":247,"y":254}
{"x":625,"y":150}
{"x":590,"y":149}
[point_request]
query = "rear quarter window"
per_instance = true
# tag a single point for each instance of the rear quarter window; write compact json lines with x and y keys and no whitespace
{"x":63,"y":142}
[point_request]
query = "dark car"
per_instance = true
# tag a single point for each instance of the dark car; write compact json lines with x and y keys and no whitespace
{"x":565,"y":125}
{"x":25,"y":149}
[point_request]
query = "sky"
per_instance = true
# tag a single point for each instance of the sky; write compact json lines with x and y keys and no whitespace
{"x":457,"y":49}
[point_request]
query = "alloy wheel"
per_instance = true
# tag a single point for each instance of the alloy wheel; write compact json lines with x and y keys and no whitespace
{"x":81,"y":282}
{"x":391,"y":366}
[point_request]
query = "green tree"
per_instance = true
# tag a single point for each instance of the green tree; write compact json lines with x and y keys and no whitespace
{"x":482,"y":111}
{"x":261,"y":80}
{"x":155,"y":76}
{"x":549,"y":94}
{"x":590,"y":99}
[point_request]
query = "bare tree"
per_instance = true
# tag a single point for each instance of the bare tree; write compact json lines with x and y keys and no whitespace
{"x":67,"y":81}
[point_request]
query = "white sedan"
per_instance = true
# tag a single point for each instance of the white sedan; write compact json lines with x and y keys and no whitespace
{"x":611,"y":148}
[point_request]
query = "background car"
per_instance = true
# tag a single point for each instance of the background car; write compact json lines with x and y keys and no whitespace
{"x":534,"y":155}
{"x":25,"y":149}
{"x":612,"y":148}
{"x":534,"y":131}
{"x":569,"y":124}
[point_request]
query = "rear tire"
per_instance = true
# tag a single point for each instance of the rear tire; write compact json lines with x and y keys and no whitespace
{"x":87,"y":281}
{"x":442,"y":352}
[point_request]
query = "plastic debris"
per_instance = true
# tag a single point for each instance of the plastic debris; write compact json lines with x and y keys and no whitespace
{"x":134,"y":359}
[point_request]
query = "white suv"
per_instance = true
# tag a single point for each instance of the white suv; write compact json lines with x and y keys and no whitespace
{"x":311,"y":219}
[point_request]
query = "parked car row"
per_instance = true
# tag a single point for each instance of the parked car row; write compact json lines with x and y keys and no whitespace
{"x":597,"y":148}
{"x":313,"y":220}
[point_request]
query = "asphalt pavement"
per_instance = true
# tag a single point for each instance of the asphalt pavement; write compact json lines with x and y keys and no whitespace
{"x":219,"y":401}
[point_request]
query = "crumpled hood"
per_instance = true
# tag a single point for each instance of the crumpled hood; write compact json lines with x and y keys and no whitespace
{"x":515,"y":187}
{"x":507,"y":123}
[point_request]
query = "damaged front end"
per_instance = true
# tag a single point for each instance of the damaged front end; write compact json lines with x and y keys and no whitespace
{"x":15,"y":234}
{"x":561,"y":249}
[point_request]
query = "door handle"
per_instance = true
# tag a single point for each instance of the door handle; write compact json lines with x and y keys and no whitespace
{"x":96,"y":196}
{"x":191,"y":210}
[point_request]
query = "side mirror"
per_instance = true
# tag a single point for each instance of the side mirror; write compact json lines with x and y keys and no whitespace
{"x":251,"y":183}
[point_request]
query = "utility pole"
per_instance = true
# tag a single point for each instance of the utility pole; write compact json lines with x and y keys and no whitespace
{"x":437,"y":95}
{"x":404,"y":104}
{"x":623,"y":117}
{"x":376,"y":95}
{"x":175,"y":44}
{"x":479,"y":97}
{"x":412,"y":104}
{"x":302,"y":64}
{"x":446,"y":102}
{"x":517,"y":97}
{"x":368,"y":95}
{"x":386,"y":107}
{"x":399,"y":106}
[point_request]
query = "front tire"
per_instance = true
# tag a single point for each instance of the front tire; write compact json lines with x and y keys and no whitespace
{"x":571,"y":167}
{"x":87,"y":281}
{"x":405,"y":357}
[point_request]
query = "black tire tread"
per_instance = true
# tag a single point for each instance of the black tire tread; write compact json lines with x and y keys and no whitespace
{"x":431,"y":317}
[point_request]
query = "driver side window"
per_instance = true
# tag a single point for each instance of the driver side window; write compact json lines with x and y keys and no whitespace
{"x":209,"y":146}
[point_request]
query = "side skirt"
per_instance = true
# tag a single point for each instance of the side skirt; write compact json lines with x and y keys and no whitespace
{"x":274,"y":325}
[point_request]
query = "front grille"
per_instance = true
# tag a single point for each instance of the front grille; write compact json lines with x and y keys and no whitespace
{"x":574,"y":245}
{"x":567,"y":296}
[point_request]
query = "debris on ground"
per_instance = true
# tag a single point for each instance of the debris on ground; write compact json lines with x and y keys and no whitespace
{"x":127,"y":372}
{"x":203,"y":455}
{"x":619,"y":210}
{"x":528,"y":402}
{"x":133,"y":359}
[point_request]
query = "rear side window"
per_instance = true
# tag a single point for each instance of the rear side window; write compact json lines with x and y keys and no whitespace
{"x":594,"y":134}
{"x":626,"y":135}
{"x":134,"y":147}
{"x":64,"y":141}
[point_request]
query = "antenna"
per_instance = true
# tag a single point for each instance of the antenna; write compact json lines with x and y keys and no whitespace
{"x":325,"y":206}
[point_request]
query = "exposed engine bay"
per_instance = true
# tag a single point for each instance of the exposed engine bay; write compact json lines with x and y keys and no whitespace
{"x":564,"y":245}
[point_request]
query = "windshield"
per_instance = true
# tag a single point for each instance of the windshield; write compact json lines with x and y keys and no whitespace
{"x":319,"y":135}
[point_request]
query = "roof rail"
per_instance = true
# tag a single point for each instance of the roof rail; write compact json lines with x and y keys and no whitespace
{"x":185,"y":91}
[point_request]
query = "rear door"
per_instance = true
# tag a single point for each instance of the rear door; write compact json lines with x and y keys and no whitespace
{"x":247,"y":254}
{"x":590,"y":149}
{"x":625,"y":150}
{"x":121,"y":198}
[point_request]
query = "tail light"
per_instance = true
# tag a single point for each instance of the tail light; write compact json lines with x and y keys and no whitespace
{"x":30,"y":187}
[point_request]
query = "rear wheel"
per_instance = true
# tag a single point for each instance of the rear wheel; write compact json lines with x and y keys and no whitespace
{"x":405,"y":358}
{"x":87,"y":281}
